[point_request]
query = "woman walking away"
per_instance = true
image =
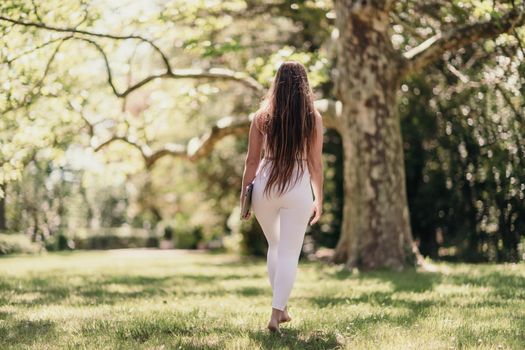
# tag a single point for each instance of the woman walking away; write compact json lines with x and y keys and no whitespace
{"x":289,"y":131}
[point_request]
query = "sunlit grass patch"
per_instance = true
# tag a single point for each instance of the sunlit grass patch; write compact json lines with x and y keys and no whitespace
{"x":177,"y":299}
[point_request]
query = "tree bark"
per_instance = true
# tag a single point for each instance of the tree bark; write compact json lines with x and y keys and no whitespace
{"x":376,"y":227}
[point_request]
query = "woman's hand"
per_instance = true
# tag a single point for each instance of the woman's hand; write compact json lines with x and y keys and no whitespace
{"x":247,"y":216}
{"x":316,"y":211}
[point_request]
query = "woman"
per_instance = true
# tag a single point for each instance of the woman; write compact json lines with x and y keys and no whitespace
{"x":289,"y":131}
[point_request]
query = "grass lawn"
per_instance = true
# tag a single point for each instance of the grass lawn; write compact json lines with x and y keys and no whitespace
{"x":193,"y":300}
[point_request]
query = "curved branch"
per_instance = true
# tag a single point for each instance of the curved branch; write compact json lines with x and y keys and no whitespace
{"x":432,"y":48}
{"x":218,"y":73}
{"x":36,"y":48}
{"x":150,"y":157}
{"x":89,"y":33}
{"x":170,"y":149}
{"x":142,"y":149}
{"x":212,"y":73}
{"x":30,"y":96}
{"x":200,"y":147}
{"x":106,"y":63}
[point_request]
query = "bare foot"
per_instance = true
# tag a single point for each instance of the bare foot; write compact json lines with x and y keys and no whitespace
{"x":273,"y":325}
{"x":285,"y":316}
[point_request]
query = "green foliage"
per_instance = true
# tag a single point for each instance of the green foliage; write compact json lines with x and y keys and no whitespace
{"x":326,"y":232}
{"x":253,"y":240}
{"x":107,"y":241}
{"x":59,"y":242}
{"x":57,"y":106}
{"x":184,"y":233}
{"x":464,"y":151}
{"x":316,"y":64}
{"x":17,"y":243}
{"x":114,"y":238}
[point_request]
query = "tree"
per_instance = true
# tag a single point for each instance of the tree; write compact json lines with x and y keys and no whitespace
{"x":376,"y":226}
{"x":34,"y":34}
{"x":368,"y":71}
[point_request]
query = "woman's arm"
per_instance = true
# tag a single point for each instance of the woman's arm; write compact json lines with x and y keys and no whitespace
{"x":315,"y":167}
{"x":253,"y":156}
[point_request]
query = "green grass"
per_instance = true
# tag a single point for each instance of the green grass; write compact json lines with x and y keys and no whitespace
{"x":172,"y":299}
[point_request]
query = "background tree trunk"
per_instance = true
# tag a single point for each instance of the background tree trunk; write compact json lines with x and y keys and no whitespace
{"x":3,"y":223}
{"x":376,"y":227}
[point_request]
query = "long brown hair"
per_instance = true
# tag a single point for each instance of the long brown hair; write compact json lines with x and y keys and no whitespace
{"x":287,"y":117}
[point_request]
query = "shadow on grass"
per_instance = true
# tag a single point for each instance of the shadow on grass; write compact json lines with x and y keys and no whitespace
{"x":295,"y":339}
{"x":242,"y":262}
{"x":415,"y":309}
{"x":503,"y":288}
{"x":503,"y":285}
{"x":25,"y":332}
{"x":409,"y":280}
{"x":194,"y":330}
{"x":111,"y":289}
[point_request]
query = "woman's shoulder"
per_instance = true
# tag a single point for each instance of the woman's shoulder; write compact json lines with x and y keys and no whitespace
{"x":318,"y":117}
{"x":316,"y":112}
{"x":259,"y":119}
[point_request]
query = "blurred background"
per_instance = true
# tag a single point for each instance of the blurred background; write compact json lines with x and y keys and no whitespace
{"x":91,"y":161}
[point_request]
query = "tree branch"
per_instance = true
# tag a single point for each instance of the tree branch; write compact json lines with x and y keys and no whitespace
{"x":89,"y":33}
{"x":213,"y":73}
{"x":200,"y":147}
{"x":30,"y":96}
{"x":170,"y":149}
{"x":36,"y":48}
{"x":432,"y":48}
{"x":142,"y":149}
{"x":511,"y":105}
{"x":218,"y":73}
{"x":35,"y":10}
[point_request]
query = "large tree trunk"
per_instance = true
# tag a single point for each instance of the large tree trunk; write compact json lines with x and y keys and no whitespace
{"x":376,"y":227}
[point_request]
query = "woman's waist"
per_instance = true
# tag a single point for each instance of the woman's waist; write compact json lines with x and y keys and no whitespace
{"x":264,"y":169}
{"x":271,"y":159}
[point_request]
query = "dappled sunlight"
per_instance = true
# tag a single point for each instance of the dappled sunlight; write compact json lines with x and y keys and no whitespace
{"x":214,"y":300}
{"x":130,"y":128}
{"x":462,"y":290}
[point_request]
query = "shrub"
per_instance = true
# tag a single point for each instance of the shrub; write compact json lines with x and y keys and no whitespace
{"x":59,"y":242}
{"x":184,"y":234}
{"x":18,"y":243}
{"x":168,"y":233}
{"x":115,"y":238}
{"x":187,"y":237}
{"x":253,"y":240}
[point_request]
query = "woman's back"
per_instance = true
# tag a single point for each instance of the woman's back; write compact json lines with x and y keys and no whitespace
{"x":265,"y":149}
{"x":267,"y":155}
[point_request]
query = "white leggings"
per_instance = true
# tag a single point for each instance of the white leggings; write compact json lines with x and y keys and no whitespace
{"x":284,"y":220}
